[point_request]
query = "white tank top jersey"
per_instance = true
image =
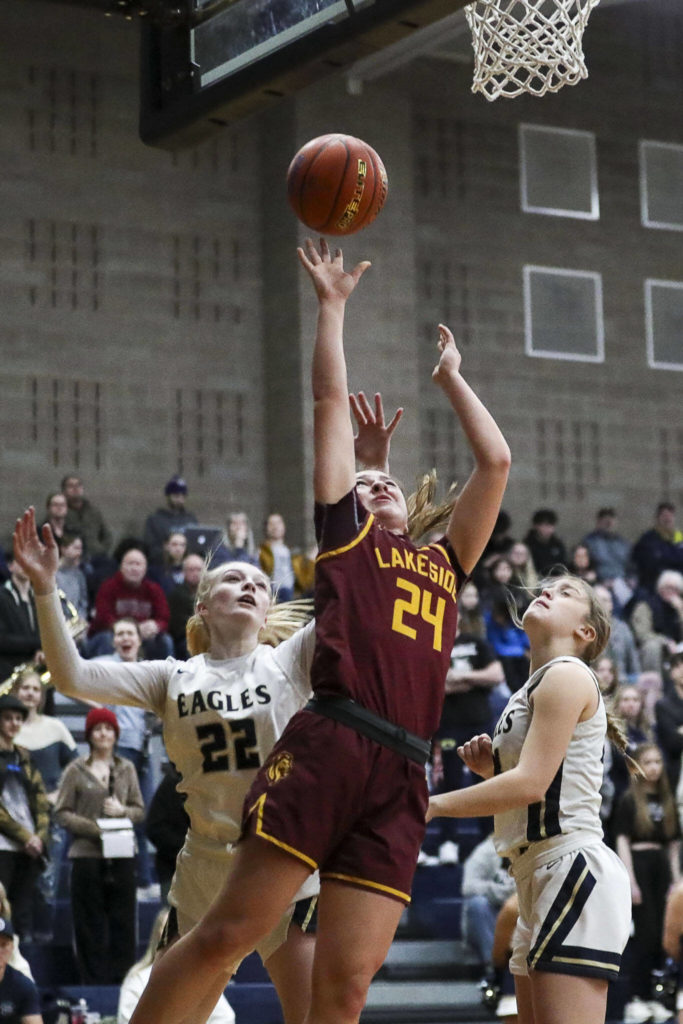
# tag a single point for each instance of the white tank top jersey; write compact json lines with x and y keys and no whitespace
{"x":572,"y":801}
{"x":220,"y":718}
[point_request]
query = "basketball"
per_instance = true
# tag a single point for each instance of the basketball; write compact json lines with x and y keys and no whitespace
{"x":336,"y":184}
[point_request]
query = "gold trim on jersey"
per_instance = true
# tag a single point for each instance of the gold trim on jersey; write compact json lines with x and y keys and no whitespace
{"x":347,"y":547}
{"x":258,"y":807}
{"x":366,"y":883}
{"x":312,"y":904}
{"x":438,"y":547}
{"x":561,"y":916}
{"x":585,"y":962}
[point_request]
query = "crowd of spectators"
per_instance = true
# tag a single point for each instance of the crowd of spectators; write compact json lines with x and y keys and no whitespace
{"x":133,"y":600}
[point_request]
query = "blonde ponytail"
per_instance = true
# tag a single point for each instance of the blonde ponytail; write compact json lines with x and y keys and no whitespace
{"x":197,"y":635}
{"x":424,"y":514}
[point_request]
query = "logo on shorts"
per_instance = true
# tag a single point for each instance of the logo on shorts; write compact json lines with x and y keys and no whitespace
{"x":280,"y":767}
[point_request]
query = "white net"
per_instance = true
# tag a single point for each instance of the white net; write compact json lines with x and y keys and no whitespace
{"x":529,"y":46}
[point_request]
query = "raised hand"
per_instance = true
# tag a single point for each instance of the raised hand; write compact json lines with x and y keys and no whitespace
{"x":330,"y":280}
{"x":477,"y":755}
{"x":372,"y":442}
{"x":38,"y":557}
{"x":449,"y":356}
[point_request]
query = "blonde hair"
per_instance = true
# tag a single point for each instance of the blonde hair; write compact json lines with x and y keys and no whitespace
{"x":147,"y":957}
{"x":424,"y":513}
{"x":282,"y":621}
{"x":5,"y":908}
{"x":23,"y":673}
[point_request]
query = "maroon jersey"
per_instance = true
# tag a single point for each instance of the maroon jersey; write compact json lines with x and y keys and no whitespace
{"x":385,"y":616}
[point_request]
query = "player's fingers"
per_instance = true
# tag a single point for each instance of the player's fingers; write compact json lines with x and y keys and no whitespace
{"x":366,"y":407}
{"x":359,"y":269}
{"x":394,"y":423}
{"x":311,"y":251}
{"x":357,"y":411}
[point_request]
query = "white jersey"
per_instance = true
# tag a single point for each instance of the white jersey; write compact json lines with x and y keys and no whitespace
{"x":220,"y":718}
{"x":572,"y":801}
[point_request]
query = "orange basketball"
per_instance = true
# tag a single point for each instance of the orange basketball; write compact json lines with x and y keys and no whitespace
{"x":336,"y":184}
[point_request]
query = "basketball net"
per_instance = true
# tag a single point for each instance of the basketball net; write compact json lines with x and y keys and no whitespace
{"x":529,"y":46}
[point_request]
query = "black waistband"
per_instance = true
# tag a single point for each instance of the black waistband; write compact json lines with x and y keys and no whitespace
{"x":367,"y":723}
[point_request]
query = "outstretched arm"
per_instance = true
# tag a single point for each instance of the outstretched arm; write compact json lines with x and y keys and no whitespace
{"x":373,"y":439}
{"x":141,"y":684}
{"x":478,"y":503}
{"x":334,"y":463}
{"x":564,"y":696}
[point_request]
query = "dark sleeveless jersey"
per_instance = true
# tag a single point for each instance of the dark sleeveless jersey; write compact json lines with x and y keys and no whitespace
{"x":385,"y":616}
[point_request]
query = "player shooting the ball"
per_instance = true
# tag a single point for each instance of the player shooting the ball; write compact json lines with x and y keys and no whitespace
{"x":344,"y":789}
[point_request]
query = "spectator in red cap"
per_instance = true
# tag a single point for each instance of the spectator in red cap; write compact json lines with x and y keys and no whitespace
{"x":100,"y":785}
{"x":171,"y":519}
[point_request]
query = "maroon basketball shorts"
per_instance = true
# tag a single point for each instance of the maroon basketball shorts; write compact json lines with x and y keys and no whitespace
{"x":342,"y":803}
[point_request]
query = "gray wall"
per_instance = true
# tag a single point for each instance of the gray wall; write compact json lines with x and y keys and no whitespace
{"x":155,"y":318}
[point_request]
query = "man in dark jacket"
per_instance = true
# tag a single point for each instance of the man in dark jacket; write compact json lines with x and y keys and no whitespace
{"x":174,"y":518}
{"x":547,"y":550}
{"x":659,"y":548}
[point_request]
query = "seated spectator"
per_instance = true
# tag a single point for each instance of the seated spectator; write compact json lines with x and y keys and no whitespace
{"x":171,"y":519}
{"x":621,"y":646}
{"x":56,"y":510}
{"x":669,"y":721}
{"x":19,"y":636}
{"x":181,"y":603}
{"x":170,"y":573}
{"x":275,"y":558}
{"x":240,"y":546}
{"x":138,"y":976}
{"x":85,"y":520}
{"x":486,"y":885}
{"x":609,"y":551}
{"x":507,"y":638}
{"x":24,"y":818}
{"x":52,"y":748}
{"x":651,"y":689}
{"x":628,"y":706}
{"x":17,"y":959}
{"x":98,"y":785}
{"x":657,"y":620}
{"x":70,"y":577}
{"x":19,"y":997}
{"x":547,"y":550}
{"x":500,"y":543}
{"x":166,"y":826}
{"x":129,"y":594}
{"x":607,"y":672}
{"x":303,"y":563}
{"x":581,"y":564}
{"x":470,"y":611}
{"x":659,"y":548}
{"x":524,"y":575}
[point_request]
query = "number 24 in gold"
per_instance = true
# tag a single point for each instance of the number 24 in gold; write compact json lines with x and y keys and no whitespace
{"x":419,"y":603}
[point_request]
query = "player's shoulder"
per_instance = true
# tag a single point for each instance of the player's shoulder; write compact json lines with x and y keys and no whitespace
{"x":562,"y":676}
